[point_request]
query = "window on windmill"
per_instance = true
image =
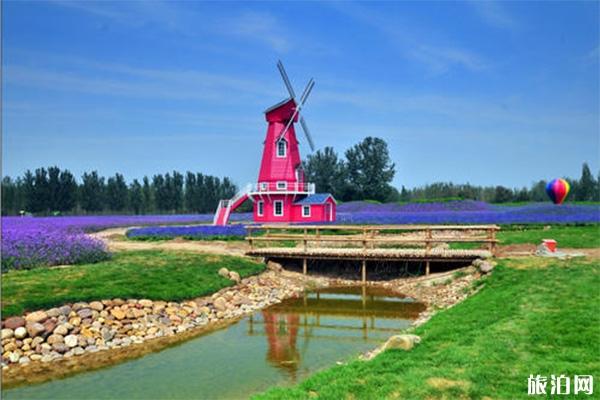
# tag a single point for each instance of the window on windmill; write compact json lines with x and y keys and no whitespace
{"x":306,"y":211}
{"x":281,"y":148}
{"x":278,"y":208}
{"x":261,"y":208}
{"x":281,"y":185}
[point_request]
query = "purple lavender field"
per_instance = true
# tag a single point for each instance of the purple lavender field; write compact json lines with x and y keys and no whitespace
{"x":191,"y":232}
{"x":29,"y":242}
{"x":466,"y":212}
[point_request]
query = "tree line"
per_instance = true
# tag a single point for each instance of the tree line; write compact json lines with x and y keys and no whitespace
{"x":53,"y":190}
{"x":366,"y":173}
{"x":586,"y":188}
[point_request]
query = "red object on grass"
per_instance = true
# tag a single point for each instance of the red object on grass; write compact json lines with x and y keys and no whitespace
{"x":550,"y":244}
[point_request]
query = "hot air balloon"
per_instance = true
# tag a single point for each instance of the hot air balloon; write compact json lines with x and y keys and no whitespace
{"x":557,"y":190}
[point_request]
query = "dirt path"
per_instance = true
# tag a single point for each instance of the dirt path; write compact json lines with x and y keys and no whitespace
{"x":116,"y":241}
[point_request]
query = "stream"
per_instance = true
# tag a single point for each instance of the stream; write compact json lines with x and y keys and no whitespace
{"x":280,"y":345}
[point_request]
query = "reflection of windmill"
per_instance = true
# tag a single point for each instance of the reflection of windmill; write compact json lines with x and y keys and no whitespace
{"x":281,"y":194}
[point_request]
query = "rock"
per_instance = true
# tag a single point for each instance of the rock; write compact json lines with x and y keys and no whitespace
{"x":80,"y":305}
{"x":486,"y":267}
{"x":7,"y":333}
{"x":220,"y":304}
{"x":78,"y":351}
{"x":14,"y":356}
{"x":71,"y":340}
{"x":11,"y":346}
{"x":35,"y":357}
{"x":62,"y":329}
{"x":53,"y":312}
{"x":54,"y":338}
{"x":85,"y":313}
{"x":117,"y":313}
{"x":49,"y":325}
{"x":234,"y":276}
{"x":35,"y":329}
{"x":60,"y":347}
{"x":477,"y":262}
{"x":404,"y":342}
{"x":145,"y":303}
{"x":36,"y":342}
{"x":36,"y":316}
{"x":24,"y":360}
{"x":273,"y":266}
{"x":107,"y":334}
{"x":75,"y":321}
{"x":14,"y":322}
{"x":20,"y":332}
{"x":224,"y":272}
{"x":65,"y":310}
{"x":96,"y":305}
{"x":47,"y":358}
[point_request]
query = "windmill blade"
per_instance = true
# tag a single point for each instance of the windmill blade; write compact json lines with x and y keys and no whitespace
{"x":303,"y":98}
{"x":286,"y":80}
{"x":307,"y":133}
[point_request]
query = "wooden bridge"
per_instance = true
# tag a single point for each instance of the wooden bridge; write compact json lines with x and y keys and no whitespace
{"x":380,"y":243}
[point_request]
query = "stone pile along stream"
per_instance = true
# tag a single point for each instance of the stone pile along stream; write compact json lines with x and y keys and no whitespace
{"x":75,"y":329}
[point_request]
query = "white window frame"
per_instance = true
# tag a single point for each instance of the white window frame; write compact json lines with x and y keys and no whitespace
{"x":306,"y":207}
{"x":284,"y":148}
{"x":281,"y":185}
{"x":264,"y":186}
{"x":260,"y":208}
{"x":275,"y":208}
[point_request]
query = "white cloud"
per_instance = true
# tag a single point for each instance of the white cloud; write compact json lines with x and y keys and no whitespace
{"x":494,"y":14}
{"x":437,"y":55}
{"x":258,"y":26}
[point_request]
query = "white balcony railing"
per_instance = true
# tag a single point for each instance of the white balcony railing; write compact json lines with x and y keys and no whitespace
{"x":284,"y":187}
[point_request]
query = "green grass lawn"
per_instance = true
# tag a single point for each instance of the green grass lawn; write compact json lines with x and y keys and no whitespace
{"x":575,"y":236}
{"x":156,"y":275}
{"x":533,"y":316}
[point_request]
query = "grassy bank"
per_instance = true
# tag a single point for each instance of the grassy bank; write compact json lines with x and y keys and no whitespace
{"x":533,"y":316}
{"x":574,"y":236}
{"x":156,"y":275}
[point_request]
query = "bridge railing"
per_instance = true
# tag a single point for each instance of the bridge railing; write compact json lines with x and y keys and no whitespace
{"x":373,"y":236}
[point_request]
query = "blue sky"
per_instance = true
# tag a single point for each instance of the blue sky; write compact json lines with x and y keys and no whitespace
{"x":480,"y":92}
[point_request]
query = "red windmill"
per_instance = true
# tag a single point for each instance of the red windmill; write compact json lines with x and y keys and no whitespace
{"x":281,"y":194}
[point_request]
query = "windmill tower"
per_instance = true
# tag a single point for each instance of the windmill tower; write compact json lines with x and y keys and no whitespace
{"x":281,"y":193}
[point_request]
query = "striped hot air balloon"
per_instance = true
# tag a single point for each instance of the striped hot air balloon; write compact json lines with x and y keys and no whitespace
{"x":557,"y":190}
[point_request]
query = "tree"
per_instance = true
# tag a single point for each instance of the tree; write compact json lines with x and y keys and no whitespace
{"x":147,"y":196}
{"x":8,"y":196}
{"x":116,"y":193}
{"x":190,"y":191}
{"x":91,"y":192}
{"x":502,"y":195}
{"x":369,"y":169}
{"x":67,"y":191}
{"x":587,"y":184}
{"x":160,"y":192}
{"x":326,"y":171}
{"x":136,"y":197}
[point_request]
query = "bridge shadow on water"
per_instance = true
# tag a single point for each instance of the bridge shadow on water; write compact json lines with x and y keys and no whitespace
{"x":376,"y":270}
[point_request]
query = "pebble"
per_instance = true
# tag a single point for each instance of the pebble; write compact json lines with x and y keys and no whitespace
{"x":37,"y":316}
{"x":7,"y":333}
{"x":71,"y":340}
{"x":35,"y":328}
{"x":14,"y":322}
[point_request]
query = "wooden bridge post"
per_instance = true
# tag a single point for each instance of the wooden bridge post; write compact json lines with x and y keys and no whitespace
{"x":250,"y":241}
{"x":304,"y":266}
{"x":364,"y":271}
{"x":492,"y":240}
{"x":427,"y":268}
{"x":305,"y":239}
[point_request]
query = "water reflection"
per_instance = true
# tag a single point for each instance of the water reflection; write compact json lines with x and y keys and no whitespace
{"x":351,"y":314}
